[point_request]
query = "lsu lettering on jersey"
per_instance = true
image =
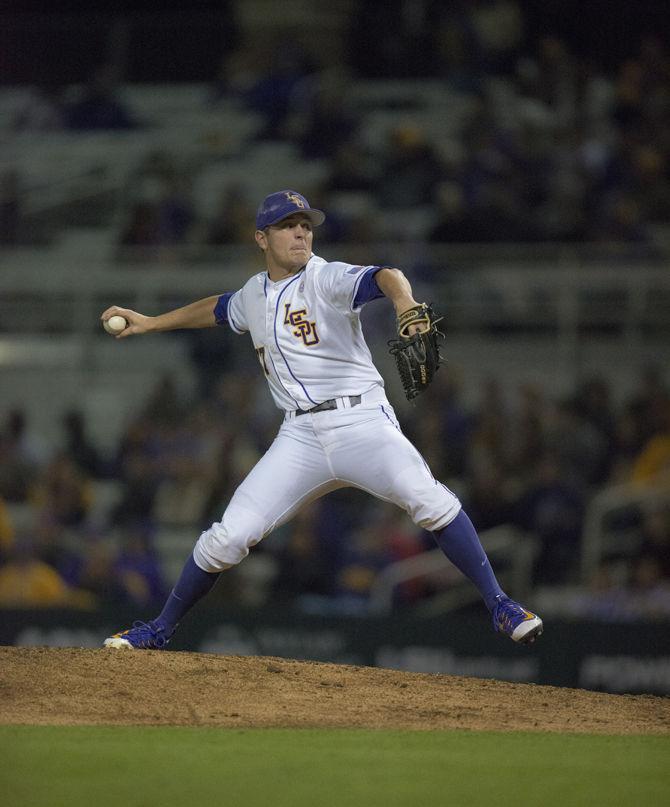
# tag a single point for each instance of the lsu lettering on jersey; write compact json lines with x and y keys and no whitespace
{"x":307,"y":332}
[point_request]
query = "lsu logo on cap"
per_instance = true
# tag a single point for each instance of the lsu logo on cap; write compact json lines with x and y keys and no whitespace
{"x":297,"y":201}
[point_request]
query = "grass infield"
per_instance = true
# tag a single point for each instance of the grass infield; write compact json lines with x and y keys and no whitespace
{"x":147,"y":766}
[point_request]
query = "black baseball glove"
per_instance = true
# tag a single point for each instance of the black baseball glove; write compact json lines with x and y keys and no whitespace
{"x":418,"y":356}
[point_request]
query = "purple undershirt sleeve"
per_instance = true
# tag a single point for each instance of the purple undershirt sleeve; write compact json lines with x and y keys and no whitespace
{"x":368,"y":289}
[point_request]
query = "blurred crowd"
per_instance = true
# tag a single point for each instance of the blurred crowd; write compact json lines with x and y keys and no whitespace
{"x":516,"y":458}
{"x":532,"y":141}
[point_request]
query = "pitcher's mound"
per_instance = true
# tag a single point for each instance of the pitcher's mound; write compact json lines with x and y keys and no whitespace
{"x":113,"y":687}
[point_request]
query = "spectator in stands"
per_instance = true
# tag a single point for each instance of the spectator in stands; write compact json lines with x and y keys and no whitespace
{"x":162,"y":213}
{"x":137,"y":569}
{"x":498,"y":28}
{"x":410,"y":169}
{"x":526,"y":427}
{"x":229,"y":223}
{"x":457,"y":422}
{"x":457,"y":51}
{"x":403,"y":541}
{"x":593,"y":402}
{"x":99,"y":106}
{"x":302,"y":569}
{"x":552,"y":509}
{"x":62,"y":493}
{"x":428,"y":435}
{"x":186,"y":475}
{"x":176,"y":214}
{"x":322,"y":120}
{"x":620,"y":219}
{"x":501,"y":181}
{"x":652,"y":465}
{"x":490,"y":496}
{"x":628,"y":107}
{"x":6,"y":530}
{"x":165,"y":403}
{"x":583,"y":452}
{"x":627,"y":443}
{"x":138,"y":472}
{"x":142,"y":227}
{"x":548,"y":81}
{"x":28,"y":582}
{"x":492,"y":428}
{"x":21,"y":455}
{"x":94,"y":572}
{"x":270,"y":93}
{"x":238,"y":71}
{"x":367,"y":556}
{"x":379,"y":540}
{"x":351,"y":168}
{"x":453,"y":222}
{"x":77,"y":445}
{"x":650,"y":401}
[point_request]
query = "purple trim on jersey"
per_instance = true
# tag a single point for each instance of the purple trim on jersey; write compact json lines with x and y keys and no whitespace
{"x":265,"y":285}
{"x":221,"y":308}
{"x":222,"y":311}
{"x":274,"y":367}
{"x":288,"y":366}
{"x":367,"y":288}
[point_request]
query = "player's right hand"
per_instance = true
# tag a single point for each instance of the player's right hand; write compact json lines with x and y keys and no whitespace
{"x":137,"y":323}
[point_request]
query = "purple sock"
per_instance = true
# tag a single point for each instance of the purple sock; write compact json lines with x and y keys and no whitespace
{"x":460,"y":543}
{"x":192,"y":586}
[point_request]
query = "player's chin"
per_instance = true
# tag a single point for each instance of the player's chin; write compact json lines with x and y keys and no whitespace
{"x":299,"y":257}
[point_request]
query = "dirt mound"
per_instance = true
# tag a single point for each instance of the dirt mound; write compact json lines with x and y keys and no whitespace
{"x":112,"y":687}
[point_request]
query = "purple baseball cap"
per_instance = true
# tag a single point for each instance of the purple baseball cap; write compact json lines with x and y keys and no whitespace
{"x":278,"y":206}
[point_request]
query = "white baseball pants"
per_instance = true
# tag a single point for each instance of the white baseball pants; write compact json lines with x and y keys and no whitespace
{"x":360,"y":446}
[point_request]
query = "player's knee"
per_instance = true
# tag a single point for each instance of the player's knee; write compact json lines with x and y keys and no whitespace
{"x":430,"y":504}
{"x":227,"y":542}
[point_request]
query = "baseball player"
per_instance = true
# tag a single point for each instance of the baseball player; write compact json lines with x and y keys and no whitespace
{"x":339,"y":430}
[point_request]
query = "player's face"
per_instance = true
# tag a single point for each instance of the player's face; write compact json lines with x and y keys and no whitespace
{"x":287,"y":244}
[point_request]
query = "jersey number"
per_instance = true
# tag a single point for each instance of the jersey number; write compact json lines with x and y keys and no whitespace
{"x":302,"y":328}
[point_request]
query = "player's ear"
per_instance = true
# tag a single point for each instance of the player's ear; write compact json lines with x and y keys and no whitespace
{"x":261,"y":239}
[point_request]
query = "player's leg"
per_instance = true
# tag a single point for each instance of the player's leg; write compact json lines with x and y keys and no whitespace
{"x":460,"y":543}
{"x":293,"y":472}
{"x":380,"y":459}
{"x":373,"y":454}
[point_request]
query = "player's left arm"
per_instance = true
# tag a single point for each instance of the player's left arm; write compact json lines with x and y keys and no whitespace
{"x":394,"y":284}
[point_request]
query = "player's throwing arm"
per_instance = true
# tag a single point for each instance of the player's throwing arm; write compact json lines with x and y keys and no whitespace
{"x":195,"y":315}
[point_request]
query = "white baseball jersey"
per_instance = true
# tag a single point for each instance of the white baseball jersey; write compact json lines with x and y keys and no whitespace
{"x":307,"y":332}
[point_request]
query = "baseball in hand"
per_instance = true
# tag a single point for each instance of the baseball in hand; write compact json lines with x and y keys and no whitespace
{"x":115,"y":324}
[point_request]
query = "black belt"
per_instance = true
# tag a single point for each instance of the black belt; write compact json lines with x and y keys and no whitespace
{"x":354,"y":400}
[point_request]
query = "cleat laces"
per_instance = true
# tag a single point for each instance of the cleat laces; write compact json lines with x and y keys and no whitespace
{"x":145,"y":635}
{"x":507,"y":615}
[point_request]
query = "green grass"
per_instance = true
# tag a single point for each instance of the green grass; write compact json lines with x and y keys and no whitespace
{"x":162,"y":767}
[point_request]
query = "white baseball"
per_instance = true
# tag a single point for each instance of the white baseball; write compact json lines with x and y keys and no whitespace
{"x":115,"y":324}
